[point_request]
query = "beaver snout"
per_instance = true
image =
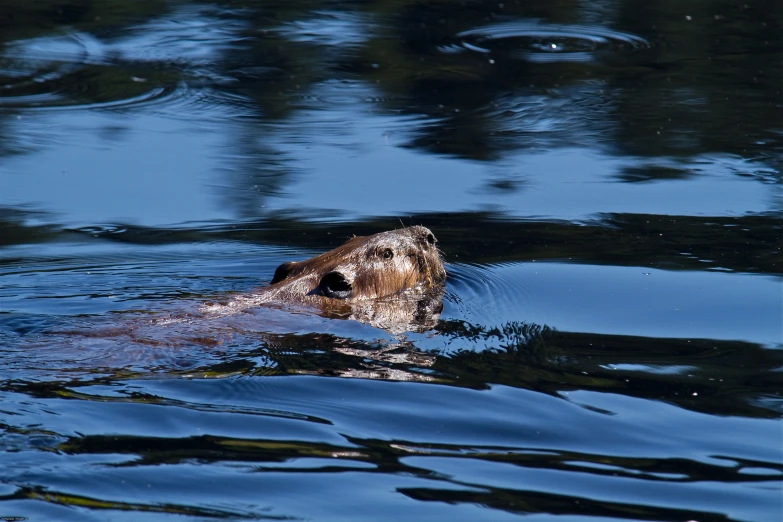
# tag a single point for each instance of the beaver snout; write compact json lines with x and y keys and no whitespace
{"x":427,"y":239}
{"x":365,"y":267}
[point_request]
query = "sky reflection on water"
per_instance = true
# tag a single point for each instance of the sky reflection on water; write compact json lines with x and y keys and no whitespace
{"x":340,"y":171}
{"x":605,"y":183}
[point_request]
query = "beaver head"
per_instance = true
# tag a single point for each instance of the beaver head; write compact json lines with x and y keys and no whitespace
{"x":364,"y":268}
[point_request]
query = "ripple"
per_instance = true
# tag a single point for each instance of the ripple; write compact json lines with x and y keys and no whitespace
{"x":480,"y":291}
{"x":72,"y":70}
{"x":77,"y":71}
{"x":330,"y":28}
{"x":69,"y":48}
{"x":538,"y":42}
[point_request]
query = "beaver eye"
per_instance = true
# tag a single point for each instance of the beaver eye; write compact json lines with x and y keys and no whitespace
{"x":387,"y":253}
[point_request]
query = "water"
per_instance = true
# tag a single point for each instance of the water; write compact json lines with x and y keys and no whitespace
{"x":604,"y":179}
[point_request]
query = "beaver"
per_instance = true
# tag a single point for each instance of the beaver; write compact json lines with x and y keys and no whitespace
{"x":394,"y":280}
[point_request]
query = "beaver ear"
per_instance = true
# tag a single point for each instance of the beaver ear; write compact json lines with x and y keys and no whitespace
{"x":283,"y":271}
{"x":335,"y":285}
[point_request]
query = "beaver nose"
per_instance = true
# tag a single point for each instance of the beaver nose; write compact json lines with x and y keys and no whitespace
{"x":424,"y":236}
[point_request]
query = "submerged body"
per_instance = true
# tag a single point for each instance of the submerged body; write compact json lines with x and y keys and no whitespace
{"x":393,"y":280}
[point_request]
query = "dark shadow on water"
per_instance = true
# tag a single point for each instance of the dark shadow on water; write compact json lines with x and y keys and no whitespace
{"x":740,"y":244}
{"x":15,"y":230}
{"x":717,"y":377}
{"x":705,"y":375}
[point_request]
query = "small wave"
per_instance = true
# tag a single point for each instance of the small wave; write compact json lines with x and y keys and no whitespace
{"x":483,"y":290}
{"x":75,"y":47}
{"x":330,"y":28}
{"x":539,"y":42}
{"x":69,"y":71}
{"x":77,"y":71}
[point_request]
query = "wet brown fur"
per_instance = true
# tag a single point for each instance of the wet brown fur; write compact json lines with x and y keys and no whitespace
{"x":364,"y":268}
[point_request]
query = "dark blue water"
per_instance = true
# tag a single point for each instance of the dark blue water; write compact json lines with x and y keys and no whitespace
{"x":604,"y":179}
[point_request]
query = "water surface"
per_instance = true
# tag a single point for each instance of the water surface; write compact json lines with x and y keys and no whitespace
{"x":604,"y":179}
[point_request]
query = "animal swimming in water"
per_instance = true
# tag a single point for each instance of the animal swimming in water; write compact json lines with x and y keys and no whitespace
{"x":392,"y":279}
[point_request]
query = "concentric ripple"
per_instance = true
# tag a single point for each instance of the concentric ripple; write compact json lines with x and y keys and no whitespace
{"x":539,"y":42}
{"x":75,"y":70}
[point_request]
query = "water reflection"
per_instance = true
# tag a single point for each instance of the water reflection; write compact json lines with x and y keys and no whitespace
{"x":604,"y":178}
{"x":277,"y":66}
